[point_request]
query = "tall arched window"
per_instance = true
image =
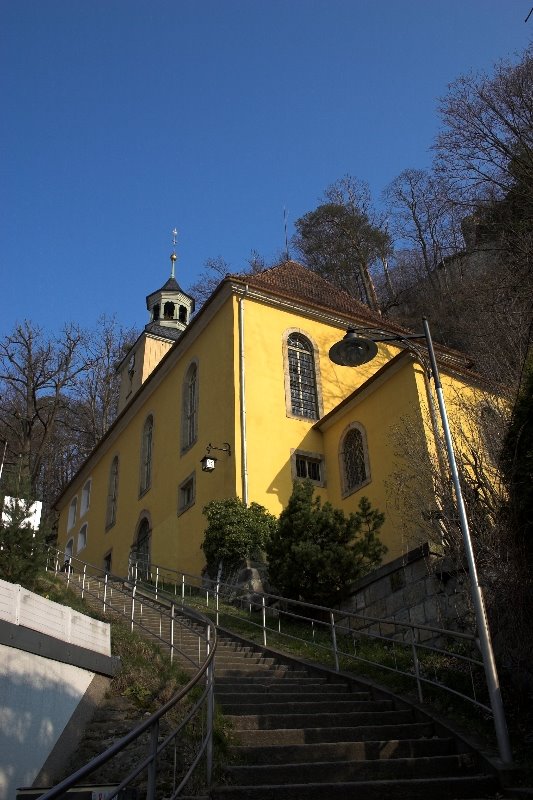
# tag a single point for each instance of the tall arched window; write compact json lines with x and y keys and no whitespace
{"x":72,"y":511}
{"x":82,"y":538}
{"x":112,"y":494}
{"x":189,"y":420}
{"x":146,"y":455}
{"x":354,"y":459}
{"x":302,"y":377}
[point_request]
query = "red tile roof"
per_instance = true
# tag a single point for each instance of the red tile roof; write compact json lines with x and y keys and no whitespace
{"x":296,"y":282}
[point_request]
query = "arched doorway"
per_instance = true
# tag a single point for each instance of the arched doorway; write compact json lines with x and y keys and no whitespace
{"x":140,"y":551}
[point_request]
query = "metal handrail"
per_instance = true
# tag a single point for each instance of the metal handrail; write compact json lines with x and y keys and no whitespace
{"x":151,"y":724}
{"x":421,"y":642}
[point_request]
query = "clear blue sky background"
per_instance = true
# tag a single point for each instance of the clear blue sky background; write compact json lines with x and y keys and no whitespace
{"x":121,"y":119}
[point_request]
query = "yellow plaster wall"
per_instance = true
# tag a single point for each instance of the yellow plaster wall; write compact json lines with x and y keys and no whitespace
{"x":272,"y":433}
{"x":387,"y":407}
{"x":175,"y":538}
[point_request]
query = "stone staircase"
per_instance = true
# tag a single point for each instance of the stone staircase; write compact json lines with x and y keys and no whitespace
{"x":305,"y":732}
{"x":302,"y":734}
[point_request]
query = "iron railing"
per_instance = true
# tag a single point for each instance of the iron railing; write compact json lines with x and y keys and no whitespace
{"x":130,"y":601}
{"x":435,"y":659}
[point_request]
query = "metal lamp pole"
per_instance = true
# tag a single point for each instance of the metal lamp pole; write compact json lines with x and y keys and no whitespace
{"x":487,"y":653}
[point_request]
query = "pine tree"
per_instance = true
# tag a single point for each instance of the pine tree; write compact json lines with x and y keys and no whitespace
{"x":317,"y":552}
{"x":21,"y":548}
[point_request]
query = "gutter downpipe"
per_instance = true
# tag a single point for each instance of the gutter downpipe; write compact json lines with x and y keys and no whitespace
{"x":242,"y":389}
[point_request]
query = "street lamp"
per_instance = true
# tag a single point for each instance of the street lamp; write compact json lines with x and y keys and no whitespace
{"x":356,"y":349}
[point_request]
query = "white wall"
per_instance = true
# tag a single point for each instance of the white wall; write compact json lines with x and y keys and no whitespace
{"x":37,"y":698}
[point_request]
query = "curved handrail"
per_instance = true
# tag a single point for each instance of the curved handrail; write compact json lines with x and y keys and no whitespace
{"x":151,"y":723}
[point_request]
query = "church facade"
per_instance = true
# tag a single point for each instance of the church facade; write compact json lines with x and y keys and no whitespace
{"x":240,"y":401}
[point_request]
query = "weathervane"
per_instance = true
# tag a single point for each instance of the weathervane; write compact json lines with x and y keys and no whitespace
{"x":173,"y":257}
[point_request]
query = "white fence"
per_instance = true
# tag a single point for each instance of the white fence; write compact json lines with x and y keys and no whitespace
{"x":21,"y":607}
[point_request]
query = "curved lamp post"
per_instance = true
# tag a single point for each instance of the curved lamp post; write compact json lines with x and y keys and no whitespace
{"x":356,"y":349}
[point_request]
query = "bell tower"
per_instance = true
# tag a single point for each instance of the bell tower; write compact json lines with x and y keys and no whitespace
{"x":170,"y":310}
{"x":170,"y":307}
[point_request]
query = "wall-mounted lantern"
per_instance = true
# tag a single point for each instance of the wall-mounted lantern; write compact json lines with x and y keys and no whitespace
{"x":208,"y":462}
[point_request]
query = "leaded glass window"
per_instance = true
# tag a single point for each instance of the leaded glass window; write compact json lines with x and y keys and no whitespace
{"x":112,"y":494}
{"x":354,"y":460}
{"x":302,"y":378}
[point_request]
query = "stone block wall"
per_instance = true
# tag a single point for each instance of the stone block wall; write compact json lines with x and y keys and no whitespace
{"x":420,"y":588}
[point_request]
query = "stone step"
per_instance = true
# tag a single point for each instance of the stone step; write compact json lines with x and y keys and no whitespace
{"x":418,"y":789}
{"x":344,"y":751}
{"x":254,"y":722}
{"x":281,"y":688}
{"x":314,"y":735}
{"x":316,"y":707}
{"x":348,"y":771}
{"x":274,"y":697}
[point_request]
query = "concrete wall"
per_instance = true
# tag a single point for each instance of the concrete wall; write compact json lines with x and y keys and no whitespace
{"x":38,"y":697}
{"x":49,"y":657}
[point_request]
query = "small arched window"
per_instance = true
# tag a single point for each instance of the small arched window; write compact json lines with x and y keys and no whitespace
{"x":189,"y":421}
{"x":69,"y":548}
{"x":182,"y":314}
{"x":302,"y":377}
{"x":146,"y":454}
{"x":112,"y":494}
{"x":354,"y":459}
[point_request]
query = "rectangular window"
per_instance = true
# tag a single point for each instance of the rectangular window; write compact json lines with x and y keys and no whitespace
{"x":308,"y":465}
{"x":186,"y":494}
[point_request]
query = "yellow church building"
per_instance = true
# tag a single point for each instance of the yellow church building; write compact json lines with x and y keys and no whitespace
{"x":241,"y":400}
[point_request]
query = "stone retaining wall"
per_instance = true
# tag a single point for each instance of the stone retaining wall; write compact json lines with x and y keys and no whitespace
{"x":420,"y":588}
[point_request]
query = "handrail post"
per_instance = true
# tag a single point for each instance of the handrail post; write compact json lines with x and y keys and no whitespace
{"x":416,"y":666}
{"x":183,"y":588}
{"x":83,"y":582}
{"x":264,"y":620}
{"x":69,"y":569}
{"x":105,"y":590}
{"x":334,"y":640}
{"x":210,"y":711}
{"x":172,"y":613}
{"x":152,"y":766}
{"x":156,"y":580}
{"x":133,"y":592}
{"x":217,"y":590}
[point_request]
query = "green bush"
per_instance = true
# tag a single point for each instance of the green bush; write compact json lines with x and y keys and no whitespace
{"x":235,"y":532}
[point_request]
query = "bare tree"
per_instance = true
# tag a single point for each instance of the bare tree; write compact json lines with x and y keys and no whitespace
{"x":486,"y":146}
{"x":98,"y":392}
{"x":422,"y":213}
{"x":37,"y":377}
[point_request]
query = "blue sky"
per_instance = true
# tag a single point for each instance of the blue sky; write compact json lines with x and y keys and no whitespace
{"x":124,"y":118}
